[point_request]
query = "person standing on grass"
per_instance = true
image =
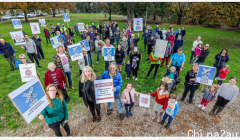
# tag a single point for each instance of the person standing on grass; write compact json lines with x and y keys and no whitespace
{"x":71,"y":33}
{"x":155,"y":62}
{"x":171,"y":30}
{"x":168,"y":53}
{"x":116,"y":35}
{"x":112,"y":73}
{"x":164,"y":32}
{"x":178,"y":59}
{"x":53,"y":30}
{"x":91,"y":35}
{"x":177,"y":44}
{"x":125,"y":26}
{"x":204,"y":54}
{"x":160,"y":33}
{"x":171,"y":38}
{"x":178,"y":32}
{"x":190,"y":83}
{"x":104,"y":33}
{"x":133,"y":42}
{"x":99,"y":31}
{"x":91,"y":46}
{"x":63,"y":29}
{"x":111,"y":37}
{"x":151,"y":42}
{"x":62,"y":61}
{"x":87,"y":92}
{"x":220,"y":60}
{"x":99,"y":47}
{"x":58,"y":27}
{"x":168,"y":33}
{"x":83,"y":62}
{"x":56,"y":77}
{"x":47,"y":34}
{"x":114,"y":28}
{"x":145,"y":37}
{"x":124,"y":45}
{"x":8,"y":52}
{"x":135,"y":58}
{"x":76,"y":29}
{"x":123,"y":33}
{"x":183,"y":32}
{"x":96,"y":34}
{"x":56,"y":112}
{"x":195,"y":44}
{"x":108,"y":45}
{"x":63,"y":38}
{"x":225,"y":96}
{"x":119,"y":56}
{"x":31,"y":49}
{"x":223,"y":73}
{"x":68,"y":40}
{"x":37,"y":41}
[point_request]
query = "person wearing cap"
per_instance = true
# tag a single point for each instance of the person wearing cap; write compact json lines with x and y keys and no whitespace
{"x":151,"y":42}
{"x":178,"y":59}
{"x":155,"y":62}
{"x":83,"y":62}
{"x":63,"y":29}
{"x":170,"y":77}
{"x":177,"y":43}
{"x":156,"y":36}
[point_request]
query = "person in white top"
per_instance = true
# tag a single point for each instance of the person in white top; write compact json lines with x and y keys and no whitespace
{"x":108,"y":45}
{"x":99,"y":48}
{"x":195,"y":43}
{"x":164,"y":32}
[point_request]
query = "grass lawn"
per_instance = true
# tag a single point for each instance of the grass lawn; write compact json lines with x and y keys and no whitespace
{"x":9,"y":81}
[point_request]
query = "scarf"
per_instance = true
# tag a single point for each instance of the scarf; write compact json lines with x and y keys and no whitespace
{"x":169,"y":49}
{"x":134,"y":62}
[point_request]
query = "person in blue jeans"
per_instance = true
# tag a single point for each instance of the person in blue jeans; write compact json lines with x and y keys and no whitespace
{"x":91,"y":45}
{"x":116,"y":35}
{"x":112,"y":73}
{"x":99,"y":47}
{"x":220,"y":60}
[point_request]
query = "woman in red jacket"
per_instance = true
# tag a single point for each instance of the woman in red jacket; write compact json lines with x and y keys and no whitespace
{"x":171,"y":38}
{"x":55,"y":76}
{"x":223,"y":73}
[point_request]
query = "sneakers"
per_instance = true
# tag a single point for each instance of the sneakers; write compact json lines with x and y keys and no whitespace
{"x":199,"y":105}
{"x":109,"y":111}
{"x":153,"y":78}
{"x":39,"y":67}
{"x":167,"y":126}
{"x":182,"y":100}
{"x":136,"y":79}
{"x":146,"y":77}
{"x":121,"y":116}
{"x":94,"y":118}
{"x":162,"y":122}
{"x":126,"y":78}
{"x":133,"y":77}
{"x":127,"y":114}
{"x":99,"y":118}
{"x":203,"y":107}
{"x":97,"y":62}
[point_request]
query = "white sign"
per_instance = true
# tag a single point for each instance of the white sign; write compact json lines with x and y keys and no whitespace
{"x":144,"y":100}
{"x":66,"y":17}
{"x":160,"y":48}
{"x":55,"y":41}
{"x":205,"y":75}
{"x":35,"y":28}
{"x":42,"y":22}
{"x":28,"y":72}
{"x":81,"y":27}
{"x":17,"y":23}
{"x":29,"y":99}
{"x":18,"y":38}
{"x":75,"y":51}
{"x":137,"y":24}
{"x":103,"y":91}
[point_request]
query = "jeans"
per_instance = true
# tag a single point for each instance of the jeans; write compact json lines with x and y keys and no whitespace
{"x":116,"y":40}
{"x":218,"y":69}
{"x":54,"y":34}
{"x":128,"y":107}
{"x":77,"y":33}
{"x":90,"y":59}
{"x":192,"y":89}
{"x":40,"y":51}
{"x":134,"y":72}
{"x":119,"y":103}
{"x":56,"y":128}
{"x":107,"y":64}
{"x":151,"y":68}
{"x":145,"y":44}
{"x":170,"y":85}
{"x":33,"y":55}
{"x":11,"y":60}
{"x":69,"y":75}
{"x":170,"y":118}
{"x":192,"y":54}
{"x":98,"y":54}
{"x":48,"y":39}
{"x":220,"y":82}
{"x":65,"y":95}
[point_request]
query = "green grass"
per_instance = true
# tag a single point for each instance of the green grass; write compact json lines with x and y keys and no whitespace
{"x":9,"y":81}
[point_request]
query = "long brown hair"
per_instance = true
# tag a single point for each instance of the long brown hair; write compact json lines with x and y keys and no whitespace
{"x":58,"y":95}
{"x":165,"y":84}
{"x":215,"y":90}
{"x":136,"y":52}
{"x":129,"y":84}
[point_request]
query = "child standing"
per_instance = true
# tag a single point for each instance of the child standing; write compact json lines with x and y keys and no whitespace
{"x":197,"y":53}
{"x":223,"y":73}
{"x":208,"y":96}
{"x":128,"y":98}
{"x":172,"y":109}
{"x":161,"y":100}
{"x":128,"y":69}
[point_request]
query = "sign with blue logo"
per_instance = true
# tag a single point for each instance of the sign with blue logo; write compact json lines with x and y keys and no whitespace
{"x":17,"y":23}
{"x":109,"y":54}
{"x":66,"y":17}
{"x":84,"y":44}
{"x":205,"y":75}
{"x":29,"y":99}
{"x":55,"y":41}
{"x":75,"y":51}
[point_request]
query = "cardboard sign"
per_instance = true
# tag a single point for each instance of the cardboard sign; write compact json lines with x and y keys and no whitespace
{"x":103,"y":91}
{"x":42,"y":22}
{"x":17,"y":23}
{"x":55,"y":41}
{"x":28,"y":72}
{"x":160,"y":48}
{"x":144,"y":100}
{"x":109,"y":54}
{"x":137,"y":24}
{"x":81,"y":27}
{"x":75,"y":51}
{"x":18,"y":38}
{"x":29,"y":99}
{"x":84,"y":44}
{"x":205,"y":75}
{"x":35,"y":28}
{"x":66,"y":17}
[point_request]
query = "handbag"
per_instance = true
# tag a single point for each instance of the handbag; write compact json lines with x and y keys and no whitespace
{"x":17,"y":62}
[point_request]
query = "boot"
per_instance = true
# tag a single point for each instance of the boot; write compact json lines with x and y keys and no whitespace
{"x":167,"y":126}
{"x":127,"y":114}
{"x":71,"y":87}
{"x":130,"y":113}
{"x":109,"y":111}
{"x":121,"y":116}
{"x":98,"y":118}
{"x":218,"y":111}
{"x":162,"y":122}
{"x":213,"y":110}
{"x":94,"y":118}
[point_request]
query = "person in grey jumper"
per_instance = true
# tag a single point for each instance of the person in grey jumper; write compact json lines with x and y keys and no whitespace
{"x":31,"y":49}
{"x":116,"y":35}
{"x":226,"y":94}
{"x":76,"y":29}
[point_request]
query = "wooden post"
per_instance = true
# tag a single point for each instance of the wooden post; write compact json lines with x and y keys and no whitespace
{"x":202,"y":87}
{"x":106,"y":107}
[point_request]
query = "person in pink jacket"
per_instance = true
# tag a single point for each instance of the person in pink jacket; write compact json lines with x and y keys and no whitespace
{"x":129,"y":31}
{"x":128,"y":98}
{"x":171,"y":37}
{"x":198,"y":49}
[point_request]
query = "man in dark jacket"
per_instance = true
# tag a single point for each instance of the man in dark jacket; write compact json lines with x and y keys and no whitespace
{"x":116,"y":36}
{"x":76,"y":29}
{"x":177,"y":43}
{"x":8,"y":52}
{"x":145,"y":37}
{"x":151,"y":42}
{"x":58,"y":27}
{"x":91,"y":45}
{"x":183,"y":32}
{"x":203,"y":55}
{"x":160,"y":33}
{"x":100,"y":25}
{"x":37,"y":41}
{"x":144,"y":28}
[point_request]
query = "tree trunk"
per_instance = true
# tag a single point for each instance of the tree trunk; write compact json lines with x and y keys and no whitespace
{"x":132,"y":10}
{"x":238,"y":22}
{"x":110,"y":10}
{"x":25,"y":15}
{"x":53,"y":12}
{"x":58,"y":11}
{"x":154,"y":17}
{"x":179,"y":19}
{"x":65,"y":11}
{"x":128,"y":11}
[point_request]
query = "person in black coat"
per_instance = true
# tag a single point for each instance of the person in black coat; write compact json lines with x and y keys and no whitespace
{"x":205,"y":52}
{"x":128,"y":69}
{"x":87,"y":92}
{"x":151,"y":42}
{"x":8,"y":52}
{"x":145,"y":37}
{"x":37,"y":41}
{"x":135,"y":58}
{"x":58,"y":27}
{"x":132,"y":42}
{"x":119,"y":55}
{"x":220,"y":60}
{"x":111,"y":38}
{"x":183,"y":32}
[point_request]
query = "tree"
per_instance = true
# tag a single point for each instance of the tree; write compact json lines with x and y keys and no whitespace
{"x":157,"y":8}
{"x":231,"y":13}
{"x":180,"y":8}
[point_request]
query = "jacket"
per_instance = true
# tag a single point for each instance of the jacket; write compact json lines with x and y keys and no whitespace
{"x":6,"y":50}
{"x":151,"y":43}
{"x":47,"y":33}
{"x":154,"y":59}
{"x":82,"y":62}
{"x":223,"y":73}
{"x":177,"y":44}
{"x":146,"y":36}
{"x":122,"y":35}
{"x":119,"y":55}
{"x":175,"y":76}
{"x":126,"y":46}
{"x":129,"y":32}
{"x":91,"y":35}
{"x":116,"y":34}
{"x":203,"y":55}
{"x":220,"y":60}
{"x":195,"y":43}
{"x":117,"y":80}
{"x":58,"y":63}
{"x":188,"y":76}
{"x":135,"y":55}
{"x":197,"y":52}
{"x":128,"y":68}
{"x":135,"y":40}
{"x":76,"y":28}
{"x":63,"y":30}
{"x":91,"y":45}
{"x":58,"y":28}
{"x":183,"y":33}
{"x":171,"y":38}
{"x":37,"y":41}
{"x":170,"y":52}
{"x":68,"y":40}
{"x":125,"y":95}
{"x":208,"y":95}
{"x":63,"y":38}
{"x":71,"y":33}
{"x":60,"y":78}
{"x":112,"y":40}
{"x":161,"y":99}
{"x":104,"y":33}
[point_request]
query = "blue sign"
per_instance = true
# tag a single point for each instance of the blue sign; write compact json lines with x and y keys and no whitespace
{"x":109,"y":54}
{"x":205,"y":74}
{"x":55,"y":41}
{"x":84,"y":44}
{"x":75,"y":51}
{"x":17,"y":23}
{"x":66,"y":17}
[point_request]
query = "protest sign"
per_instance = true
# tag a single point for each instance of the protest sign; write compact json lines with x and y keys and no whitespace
{"x":103,"y":91}
{"x":84,"y":44}
{"x":144,"y":100}
{"x":35,"y":28}
{"x":205,"y":75}
{"x":42,"y":22}
{"x":29,"y":99}
{"x":137,"y":24}
{"x":81,"y":27}
{"x":160,"y":48}
{"x":18,"y":38}
{"x":28,"y":72}
{"x":109,"y":54}
{"x":75,"y":51}
{"x":17,"y":23}
{"x":66,"y":17}
{"x":55,"y":41}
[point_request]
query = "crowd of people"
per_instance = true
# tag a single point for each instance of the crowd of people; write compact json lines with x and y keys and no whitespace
{"x":109,"y":35}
